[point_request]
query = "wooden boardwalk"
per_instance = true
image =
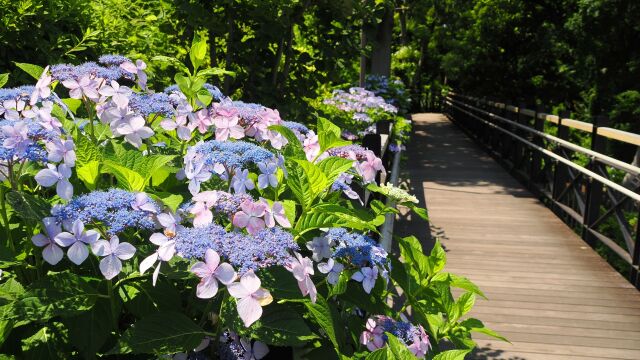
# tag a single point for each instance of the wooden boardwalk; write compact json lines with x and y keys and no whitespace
{"x":549,"y":293}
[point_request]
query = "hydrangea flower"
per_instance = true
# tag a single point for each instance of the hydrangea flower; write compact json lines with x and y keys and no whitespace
{"x":77,"y":241}
{"x":250,"y":217}
{"x":84,"y":87}
{"x":321,"y":247}
{"x":42,"y":90}
{"x":137,"y":69}
{"x":333,"y":269}
{"x":60,"y":176}
{"x":134,"y":130}
{"x":110,"y":209}
{"x":268,"y":175}
{"x":250,"y":297}
{"x":367,"y":276}
{"x":210,"y":272}
{"x":112,"y":251}
{"x":275,"y":214}
{"x":241,"y":182}
{"x":165,"y":252}
{"x":302,"y":269}
{"x":51,"y":252}
{"x":372,"y":336}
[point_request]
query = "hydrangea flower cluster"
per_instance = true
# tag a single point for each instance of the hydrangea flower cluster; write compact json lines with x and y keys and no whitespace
{"x":223,"y":158}
{"x":113,"y":211}
{"x":393,"y":91}
{"x":359,"y":100}
{"x":414,"y":337}
{"x":366,"y":163}
{"x":30,"y":133}
{"x":344,"y":249}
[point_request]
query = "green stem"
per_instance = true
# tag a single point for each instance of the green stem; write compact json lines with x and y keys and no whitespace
{"x":5,"y":218}
{"x":112,"y":302}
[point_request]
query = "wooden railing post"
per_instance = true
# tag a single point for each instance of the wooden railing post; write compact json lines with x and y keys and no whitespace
{"x":594,"y":188}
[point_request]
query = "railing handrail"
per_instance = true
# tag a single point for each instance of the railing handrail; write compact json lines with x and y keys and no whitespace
{"x":607,"y":132}
{"x":621,"y":165}
{"x":583,"y":170}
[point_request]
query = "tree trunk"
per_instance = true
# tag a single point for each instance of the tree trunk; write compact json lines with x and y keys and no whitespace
{"x":276,"y":64}
{"x":381,"y":55}
{"x":287,"y":58}
{"x":229,"y":55}
{"x":363,"y":56}
{"x":403,"y":24}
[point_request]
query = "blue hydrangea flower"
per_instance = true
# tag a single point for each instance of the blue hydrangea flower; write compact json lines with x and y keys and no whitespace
{"x":113,"y":59}
{"x":357,"y":249}
{"x":33,"y":147}
{"x":147,"y":104}
{"x":404,"y":331}
{"x":233,"y":155}
{"x":301,"y":128}
{"x":67,"y":71}
{"x":268,"y":247}
{"x":112,"y":209}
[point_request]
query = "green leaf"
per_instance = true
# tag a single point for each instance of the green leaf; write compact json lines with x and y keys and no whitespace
{"x":329,"y":320}
{"x":459,"y":282}
{"x":280,"y":283}
{"x":411,"y":252}
{"x":58,"y":294}
{"x":89,"y":173}
{"x":34,"y":70}
{"x":215,"y":71}
{"x":465,"y":302}
{"x":198,"y":51}
{"x":476,"y":325}
{"x":86,"y":151}
{"x":89,"y":331}
{"x":421,"y":212}
{"x":72,"y":104}
{"x":452,"y":355}
{"x":380,"y":354}
{"x":28,"y":207}
{"x":334,"y":166}
{"x":341,"y":286}
{"x":172,"y":201}
{"x":128,"y":179}
{"x":159,"y":334}
{"x":46,"y":343}
{"x":398,"y":349}
{"x":317,"y":180}
{"x":437,"y":258}
{"x":3,"y":79}
{"x":329,"y":135}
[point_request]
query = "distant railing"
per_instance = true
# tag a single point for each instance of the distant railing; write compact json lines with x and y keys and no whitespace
{"x":586,"y":196}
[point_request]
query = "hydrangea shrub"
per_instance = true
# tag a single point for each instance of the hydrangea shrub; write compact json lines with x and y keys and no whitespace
{"x":186,"y":225}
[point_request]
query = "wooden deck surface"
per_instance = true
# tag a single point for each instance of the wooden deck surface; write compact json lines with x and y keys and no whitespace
{"x":549,"y":293}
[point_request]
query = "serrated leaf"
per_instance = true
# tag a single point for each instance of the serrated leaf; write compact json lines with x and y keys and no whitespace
{"x":380,"y":354}
{"x":72,"y":104}
{"x":159,"y":334}
{"x":465,"y":302}
{"x":28,"y":207}
{"x":316,"y":179}
{"x":329,"y":135}
{"x":59,"y":294}
{"x":89,"y":173}
{"x":399,"y":349}
{"x":329,"y":320}
{"x":3,"y":79}
{"x":334,"y":166}
{"x":34,"y":70}
{"x":86,"y":151}
{"x":437,"y":259}
{"x":452,"y":355}
{"x":128,"y":179}
{"x":476,"y":325}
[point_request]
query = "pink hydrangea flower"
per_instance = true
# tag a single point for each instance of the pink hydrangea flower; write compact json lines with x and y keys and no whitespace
{"x":250,"y":217}
{"x":369,"y":168}
{"x":302,"y":269}
{"x":42,"y":89}
{"x":210,"y":272}
{"x":372,"y":337}
{"x":250,"y":297}
{"x":421,"y":344}
{"x":227,"y":127}
{"x":275,"y":214}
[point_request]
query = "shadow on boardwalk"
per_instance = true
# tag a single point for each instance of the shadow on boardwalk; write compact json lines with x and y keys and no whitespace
{"x":549,"y":293}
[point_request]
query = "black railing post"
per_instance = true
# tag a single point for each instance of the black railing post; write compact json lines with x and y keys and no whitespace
{"x":561,"y":172}
{"x":536,"y":162}
{"x":594,"y":187}
{"x":634,"y":273}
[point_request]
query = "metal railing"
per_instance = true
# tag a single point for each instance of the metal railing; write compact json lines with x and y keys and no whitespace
{"x":576,"y":182}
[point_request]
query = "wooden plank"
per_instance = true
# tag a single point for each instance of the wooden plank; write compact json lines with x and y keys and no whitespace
{"x":575,"y":124}
{"x":548,"y":291}
{"x":624,"y":136}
